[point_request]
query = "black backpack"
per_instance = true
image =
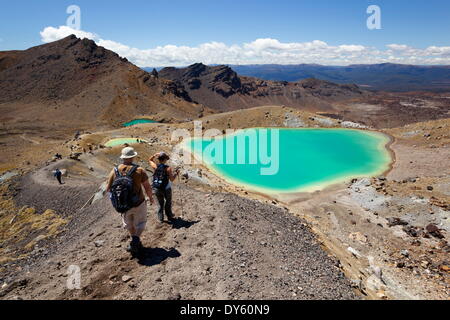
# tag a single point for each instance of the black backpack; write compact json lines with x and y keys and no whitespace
{"x":161,"y":177}
{"x":123,"y":197}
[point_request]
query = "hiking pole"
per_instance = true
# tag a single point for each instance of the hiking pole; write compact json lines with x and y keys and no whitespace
{"x":181,"y":196}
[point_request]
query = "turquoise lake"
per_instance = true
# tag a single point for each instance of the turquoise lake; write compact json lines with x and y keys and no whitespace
{"x":138,"y":121}
{"x":122,"y":141}
{"x":303,"y":160}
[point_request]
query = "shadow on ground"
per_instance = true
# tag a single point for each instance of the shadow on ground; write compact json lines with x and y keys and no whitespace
{"x":180,"y":223}
{"x":153,"y":256}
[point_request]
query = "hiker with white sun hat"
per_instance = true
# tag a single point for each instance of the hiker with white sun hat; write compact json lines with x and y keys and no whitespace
{"x":126,"y":185}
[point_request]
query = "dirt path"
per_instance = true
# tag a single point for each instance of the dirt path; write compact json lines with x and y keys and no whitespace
{"x":225,"y":247}
{"x":24,"y":137}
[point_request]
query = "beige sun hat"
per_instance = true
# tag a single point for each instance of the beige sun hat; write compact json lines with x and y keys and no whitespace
{"x":128,"y":153}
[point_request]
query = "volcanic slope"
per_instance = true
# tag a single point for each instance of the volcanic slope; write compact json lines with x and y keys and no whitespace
{"x":222,"y":89}
{"x":50,"y":92}
{"x":75,"y":83}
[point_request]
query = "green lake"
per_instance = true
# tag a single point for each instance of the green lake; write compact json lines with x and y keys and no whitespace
{"x":293,"y":160}
{"x":122,"y":141}
{"x":138,"y":121}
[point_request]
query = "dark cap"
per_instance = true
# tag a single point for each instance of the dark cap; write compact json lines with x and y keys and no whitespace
{"x":163,"y":156}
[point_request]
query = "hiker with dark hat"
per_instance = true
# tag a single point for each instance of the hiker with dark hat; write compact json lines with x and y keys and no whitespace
{"x":162,"y":184}
{"x":126,"y":184}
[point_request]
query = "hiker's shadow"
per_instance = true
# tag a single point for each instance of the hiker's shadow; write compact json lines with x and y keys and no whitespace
{"x":153,"y":256}
{"x":180,"y":223}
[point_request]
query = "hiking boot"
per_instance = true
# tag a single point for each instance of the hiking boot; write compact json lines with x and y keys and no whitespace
{"x":172,"y":220}
{"x":160,"y":216}
{"x":170,"y":216}
{"x":135,"y":248}
{"x":132,"y":250}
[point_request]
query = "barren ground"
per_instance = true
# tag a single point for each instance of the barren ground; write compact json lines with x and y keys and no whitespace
{"x":230,"y":243}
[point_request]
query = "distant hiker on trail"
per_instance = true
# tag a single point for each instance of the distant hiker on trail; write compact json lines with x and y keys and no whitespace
{"x":162,"y":184}
{"x":125,"y":184}
{"x":58,"y":174}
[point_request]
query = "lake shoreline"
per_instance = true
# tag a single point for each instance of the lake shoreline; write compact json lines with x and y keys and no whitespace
{"x":138,"y":122}
{"x":305,"y":190}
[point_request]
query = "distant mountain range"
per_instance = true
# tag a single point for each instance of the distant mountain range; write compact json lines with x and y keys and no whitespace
{"x":385,"y":77}
{"x":222,"y":89}
{"x":73,"y":84}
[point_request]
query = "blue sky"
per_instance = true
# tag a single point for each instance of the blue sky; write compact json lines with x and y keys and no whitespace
{"x":151,"y":23}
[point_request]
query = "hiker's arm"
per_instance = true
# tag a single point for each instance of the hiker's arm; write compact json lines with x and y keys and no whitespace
{"x":152,"y":161}
{"x":172,"y":176}
{"x":109,"y":182}
{"x":148,"y":191}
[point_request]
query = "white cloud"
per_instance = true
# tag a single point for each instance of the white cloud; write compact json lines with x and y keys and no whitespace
{"x":398,"y":47}
{"x":51,"y":34}
{"x":438,"y":51}
{"x":261,"y":51}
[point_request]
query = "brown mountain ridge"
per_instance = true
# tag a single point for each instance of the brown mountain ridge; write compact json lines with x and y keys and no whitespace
{"x":75,"y":82}
{"x":222,"y":89}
